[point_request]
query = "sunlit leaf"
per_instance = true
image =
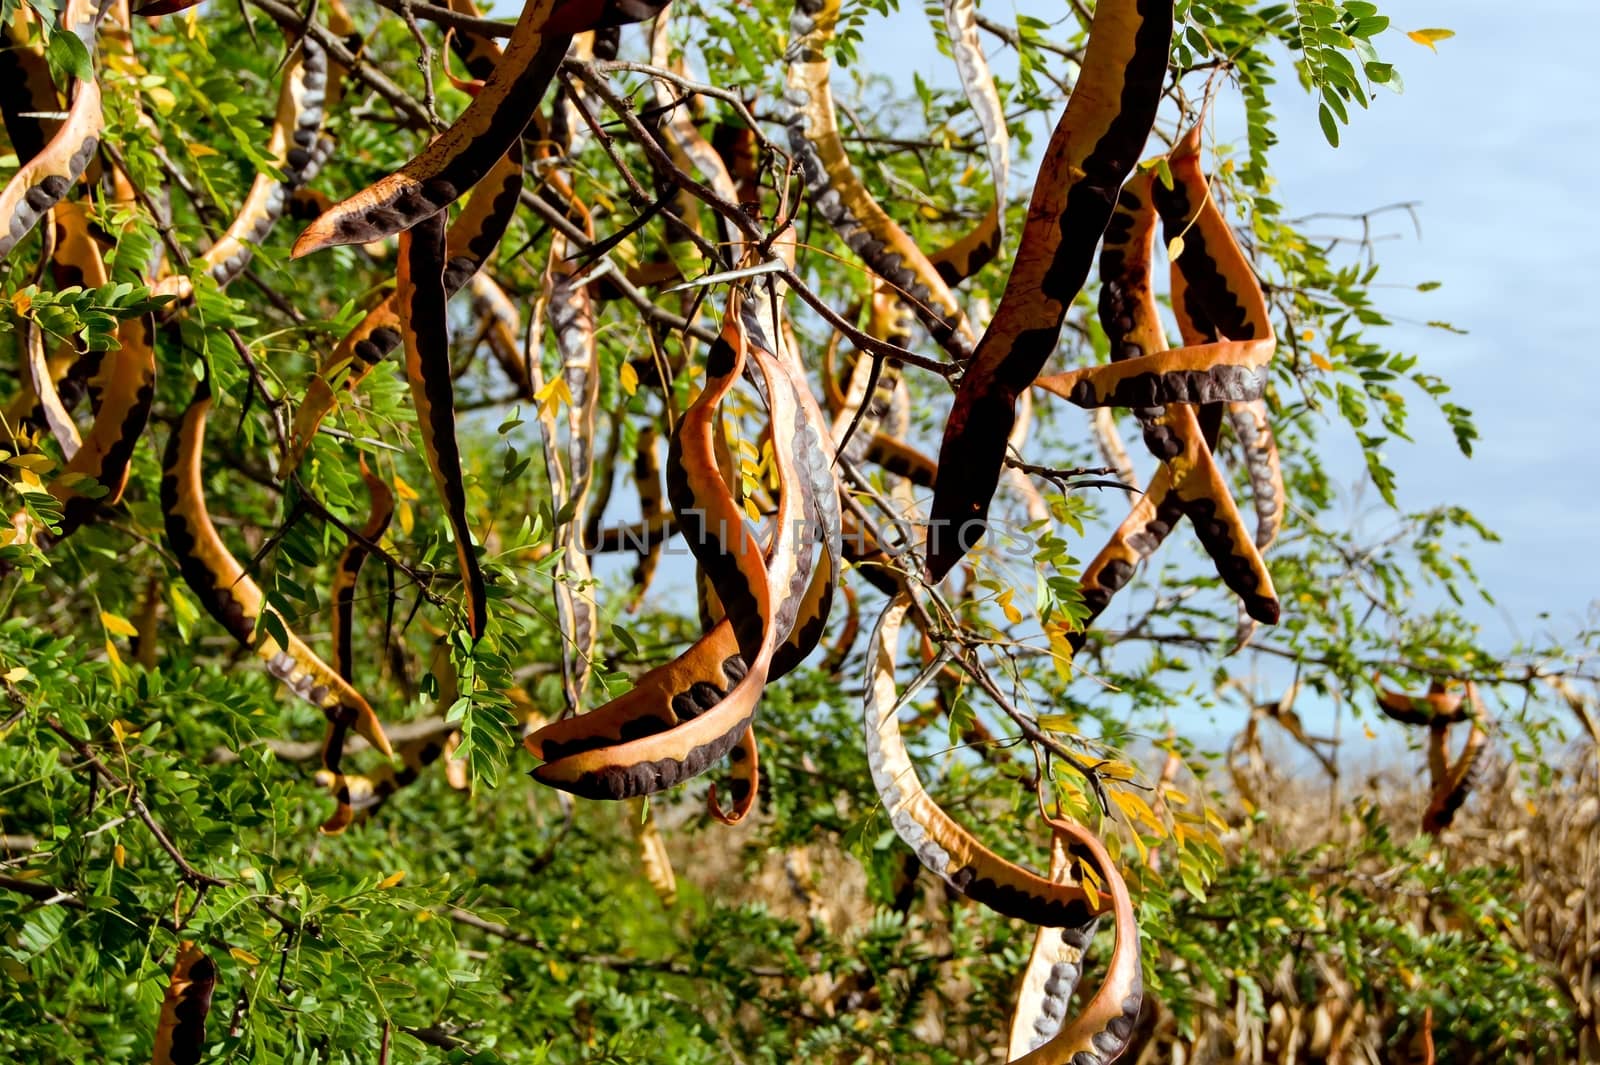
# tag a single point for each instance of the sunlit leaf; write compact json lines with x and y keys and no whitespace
{"x":1430,"y":38}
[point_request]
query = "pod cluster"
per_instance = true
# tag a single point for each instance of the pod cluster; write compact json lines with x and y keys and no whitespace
{"x":768,"y":519}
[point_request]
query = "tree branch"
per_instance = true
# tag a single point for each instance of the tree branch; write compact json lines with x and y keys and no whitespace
{"x":444,"y":16}
{"x":291,"y":20}
{"x":187,"y":871}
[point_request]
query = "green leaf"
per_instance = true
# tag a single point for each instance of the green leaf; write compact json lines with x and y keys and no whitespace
{"x":66,"y":54}
{"x":1330,"y":128}
{"x":272,"y":624}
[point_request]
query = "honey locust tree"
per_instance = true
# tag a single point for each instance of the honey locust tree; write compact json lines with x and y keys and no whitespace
{"x":159,"y":785}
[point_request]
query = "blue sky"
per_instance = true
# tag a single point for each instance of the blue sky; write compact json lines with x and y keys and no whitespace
{"x":1487,"y":139}
{"x":1491,"y":151}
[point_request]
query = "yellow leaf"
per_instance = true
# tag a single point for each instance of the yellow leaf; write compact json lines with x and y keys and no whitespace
{"x":123,"y":64}
{"x":1175,"y":797}
{"x":404,"y":490}
{"x":1368,"y":730}
{"x":1138,"y":811}
{"x":200,"y":151}
{"x":116,"y":625}
{"x":1428,"y":38}
{"x":629,"y":378}
{"x":1060,"y":651}
{"x":16,"y":673}
{"x":1174,"y":249}
{"x":557,"y":970}
{"x":1320,"y":362}
{"x":183,"y":609}
{"x":752,"y":511}
{"x":119,"y":854}
{"x":407,"y":520}
{"x":391,"y":880}
{"x":1056,"y":722}
{"x":1013,"y":615}
{"x":1309,"y":335}
{"x":242,"y":955}
{"x":1072,"y":802}
{"x":553,"y":394}
{"x":1144,"y":851}
{"x":123,"y":730}
{"x":163,"y":99}
{"x":119,"y":672}
{"x":1089,"y":892}
{"x":36,"y":463}
{"x":22,"y":301}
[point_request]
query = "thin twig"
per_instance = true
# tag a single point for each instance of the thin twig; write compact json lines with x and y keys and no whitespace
{"x":865,"y":341}
{"x":659,"y":156}
{"x":1014,"y":39}
{"x":41,"y":892}
{"x":444,"y":16}
{"x":1065,"y":479}
{"x":424,"y":57}
{"x":699,"y":88}
{"x":605,"y":961}
{"x":557,"y":220}
{"x":337,"y":50}
{"x":187,"y":871}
